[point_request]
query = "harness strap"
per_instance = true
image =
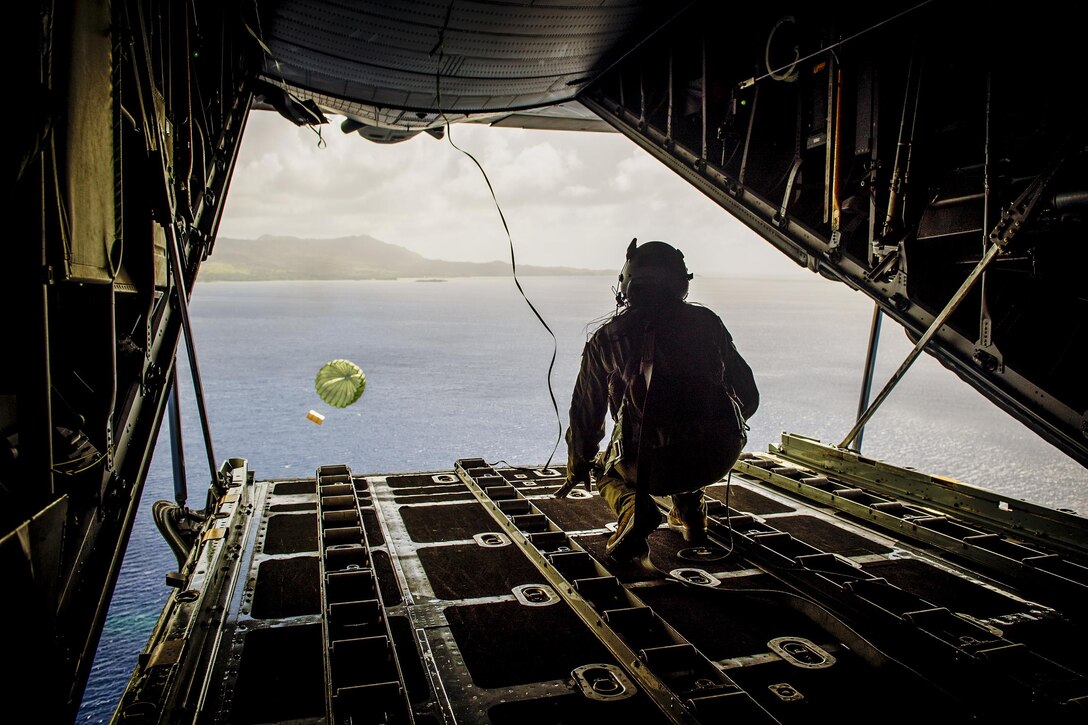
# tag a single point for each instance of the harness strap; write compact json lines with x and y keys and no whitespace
{"x":648,"y":356}
{"x":647,"y":370}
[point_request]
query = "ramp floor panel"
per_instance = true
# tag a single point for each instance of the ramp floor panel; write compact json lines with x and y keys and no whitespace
{"x":287,"y":588}
{"x":486,"y":628}
{"x":291,"y":534}
{"x":471,"y":571}
{"x":488,"y":634}
{"x":828,"y":537}
{"x":742,"y":498}
{"x":577,"y":514}
{"x":453,"y":522}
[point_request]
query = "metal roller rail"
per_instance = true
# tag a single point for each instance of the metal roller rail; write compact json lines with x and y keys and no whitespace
{"x":365,"y":683}
{"x":930,"y":635}
{"x":685,"y":685}
{"x":997,"y":532}
{"x":827,"y":588}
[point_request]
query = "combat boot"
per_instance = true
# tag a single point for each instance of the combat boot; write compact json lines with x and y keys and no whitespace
{"x":638,"y":517}
{"x":689,"y":519}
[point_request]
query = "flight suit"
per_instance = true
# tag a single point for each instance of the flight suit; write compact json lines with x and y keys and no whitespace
{"x":685,"y":334}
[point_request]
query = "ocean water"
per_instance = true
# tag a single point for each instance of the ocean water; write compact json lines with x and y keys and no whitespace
{"x":460,"y":368}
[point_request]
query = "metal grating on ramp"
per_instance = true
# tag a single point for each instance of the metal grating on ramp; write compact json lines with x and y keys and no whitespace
{"x":377,"y":598}
{"x":363,"y":675}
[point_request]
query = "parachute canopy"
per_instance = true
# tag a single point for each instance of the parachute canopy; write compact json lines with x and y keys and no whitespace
{"x":340,"y":383}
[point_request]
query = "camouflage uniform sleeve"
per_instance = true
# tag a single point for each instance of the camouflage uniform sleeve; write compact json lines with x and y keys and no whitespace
{"x":588,"y":407}
{"x":738,"y":374}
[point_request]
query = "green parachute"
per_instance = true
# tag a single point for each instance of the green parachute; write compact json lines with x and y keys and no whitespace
{"x":340,"y":383}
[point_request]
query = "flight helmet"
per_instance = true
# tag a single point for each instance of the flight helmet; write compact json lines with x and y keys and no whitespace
{"x":655,"y":270}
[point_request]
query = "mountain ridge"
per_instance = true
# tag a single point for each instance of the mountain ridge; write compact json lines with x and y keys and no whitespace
{"x":359,"y":257}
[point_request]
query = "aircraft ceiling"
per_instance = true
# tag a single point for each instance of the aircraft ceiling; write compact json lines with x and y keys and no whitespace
{"x":397,"y":68}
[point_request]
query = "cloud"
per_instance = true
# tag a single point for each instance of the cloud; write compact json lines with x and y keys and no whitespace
{"x":573,"y":199}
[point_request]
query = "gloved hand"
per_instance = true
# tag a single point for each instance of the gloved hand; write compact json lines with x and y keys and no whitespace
{"x":570,"y":484}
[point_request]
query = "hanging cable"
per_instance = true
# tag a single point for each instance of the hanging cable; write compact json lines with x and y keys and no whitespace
{"x":314,"y":114}
{"x":514,"y":272}
{"x":776,"y":72}
{"x":439,"y":48}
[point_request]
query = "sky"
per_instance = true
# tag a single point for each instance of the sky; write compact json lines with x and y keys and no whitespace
{"x":570,"y":198}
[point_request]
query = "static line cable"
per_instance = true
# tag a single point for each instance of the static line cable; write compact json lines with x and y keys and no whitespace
{"x":440,"y":49}
{"x":584,"y":82}
{"x":777,"y":72}
{"x":514,"y":271}
{"x":258,"y":36}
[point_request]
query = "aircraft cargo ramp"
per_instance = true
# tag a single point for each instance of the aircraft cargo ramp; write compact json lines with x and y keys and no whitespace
{"x":474,"y":595}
